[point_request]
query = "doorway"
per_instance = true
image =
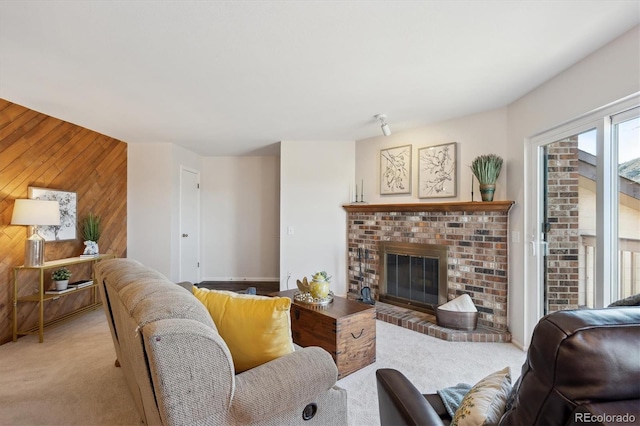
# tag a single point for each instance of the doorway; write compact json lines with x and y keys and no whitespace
{"x":583,"y":211}
{"x":189,"y":225}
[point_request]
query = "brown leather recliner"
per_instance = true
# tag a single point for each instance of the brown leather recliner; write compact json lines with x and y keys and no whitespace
{"x":580,"y":364}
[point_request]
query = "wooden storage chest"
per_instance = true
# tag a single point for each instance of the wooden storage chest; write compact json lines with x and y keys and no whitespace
{"x":344,"y":328}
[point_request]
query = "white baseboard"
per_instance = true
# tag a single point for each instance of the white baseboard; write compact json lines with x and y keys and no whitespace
{"x":241,"y":279}
{"x":519,"y":345}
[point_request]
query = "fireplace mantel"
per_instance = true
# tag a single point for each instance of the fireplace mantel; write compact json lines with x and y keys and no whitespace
{"x":455,"y":206}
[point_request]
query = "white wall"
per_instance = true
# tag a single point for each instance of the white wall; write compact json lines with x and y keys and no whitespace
{"x":315,"y":180}
{"x":148,"y":205}
{"x":476,"y":134}
{"x":609,"y":74}
{"x":240,"y":218}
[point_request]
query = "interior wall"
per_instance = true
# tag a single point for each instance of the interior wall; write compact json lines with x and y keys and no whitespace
{"x":476,"y":134}
{"x":240,"y":218}
{"x":43,"y":151}
{"x":149,"y":205}
{"x":609,"y":74}
{"x":154,"y":204}
{"x":315,"y":182}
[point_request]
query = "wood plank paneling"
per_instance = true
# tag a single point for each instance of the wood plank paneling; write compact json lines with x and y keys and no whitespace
{"x":39,"y":150}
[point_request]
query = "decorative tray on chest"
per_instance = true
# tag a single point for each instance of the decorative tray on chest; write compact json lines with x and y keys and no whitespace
{"x":308,"y":299}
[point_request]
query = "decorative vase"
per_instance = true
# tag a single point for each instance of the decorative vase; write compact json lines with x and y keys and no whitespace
{"x":62,"y":285}
{"x":91,"y":248}
{"x":486,"y":191}
{"x":319,"y":289}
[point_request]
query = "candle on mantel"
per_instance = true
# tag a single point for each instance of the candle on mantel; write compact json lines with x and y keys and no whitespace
{"x":356,"y":192}
{"x":362,"y":191}
{"x":471,"y":186}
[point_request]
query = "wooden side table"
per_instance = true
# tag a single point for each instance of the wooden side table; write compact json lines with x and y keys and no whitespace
{"x":344,"y":328}
{"x":41,"y":297}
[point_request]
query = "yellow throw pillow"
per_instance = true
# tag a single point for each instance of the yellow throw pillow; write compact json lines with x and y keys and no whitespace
{"x":485,"y":403}
{"x":257,"y":329}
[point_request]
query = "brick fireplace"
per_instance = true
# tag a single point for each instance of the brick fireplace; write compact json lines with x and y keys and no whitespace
{"x":475,"y":233}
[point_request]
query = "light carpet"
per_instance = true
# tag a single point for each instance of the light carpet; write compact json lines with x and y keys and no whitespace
{"x":429,"y":363}
{"x":70,"y":379}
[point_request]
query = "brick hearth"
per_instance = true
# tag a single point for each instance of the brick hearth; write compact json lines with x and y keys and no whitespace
{"x":476,"y":234}
{"x":426,"y":324}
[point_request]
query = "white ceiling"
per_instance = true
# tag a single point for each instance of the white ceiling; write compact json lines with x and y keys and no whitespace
{"x":236,"y":77}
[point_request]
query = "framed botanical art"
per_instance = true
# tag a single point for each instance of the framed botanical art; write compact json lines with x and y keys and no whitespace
{"x":437,"y":171}
{"x":68,"y":219}
{"x":395,"y":170}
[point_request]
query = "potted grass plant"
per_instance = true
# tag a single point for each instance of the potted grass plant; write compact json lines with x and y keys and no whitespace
{"x":486,"y":169}
{"x":91,"y":233}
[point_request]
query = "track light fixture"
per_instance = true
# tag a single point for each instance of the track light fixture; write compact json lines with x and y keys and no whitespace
{"x":383,"y":124}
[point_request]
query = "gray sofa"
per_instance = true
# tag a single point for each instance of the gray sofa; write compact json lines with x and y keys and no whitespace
{"x":180,"y":371}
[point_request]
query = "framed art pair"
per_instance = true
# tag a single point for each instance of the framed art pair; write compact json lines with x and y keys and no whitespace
{"x":437,"y":171}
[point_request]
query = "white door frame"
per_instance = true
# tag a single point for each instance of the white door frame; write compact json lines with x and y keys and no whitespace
{"x":606,"y":219}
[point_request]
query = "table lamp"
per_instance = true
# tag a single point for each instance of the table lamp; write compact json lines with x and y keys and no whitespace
{"x":34,"y":213}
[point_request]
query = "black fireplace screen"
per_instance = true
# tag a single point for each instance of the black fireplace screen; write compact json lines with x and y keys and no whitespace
{"x":413,"y":275}
{"x":412,"y":278}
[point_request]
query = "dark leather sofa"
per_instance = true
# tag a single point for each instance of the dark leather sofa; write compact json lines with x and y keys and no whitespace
{"x":582,"y":367}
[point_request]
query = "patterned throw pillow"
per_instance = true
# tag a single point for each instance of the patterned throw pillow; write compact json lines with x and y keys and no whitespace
{"x":486,"y":401}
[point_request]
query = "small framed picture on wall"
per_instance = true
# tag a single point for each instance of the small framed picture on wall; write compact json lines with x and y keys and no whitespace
{"x":437,"y":171}
{"x":67,"y":201}
{"x":395,"y":170}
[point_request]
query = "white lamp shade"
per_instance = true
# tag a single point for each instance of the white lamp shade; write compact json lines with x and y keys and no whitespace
{"x":35,"y":212}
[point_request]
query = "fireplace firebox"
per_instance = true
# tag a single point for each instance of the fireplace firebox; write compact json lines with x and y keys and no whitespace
{"x":413,"y":275}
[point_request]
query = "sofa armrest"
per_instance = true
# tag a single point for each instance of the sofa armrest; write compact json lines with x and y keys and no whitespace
{"x":292,"y":380}
{"x":400,"y":403}
{"x":191,"y":369}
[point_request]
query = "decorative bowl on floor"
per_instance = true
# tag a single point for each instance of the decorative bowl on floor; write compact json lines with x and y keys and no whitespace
{"x":467,"y":321}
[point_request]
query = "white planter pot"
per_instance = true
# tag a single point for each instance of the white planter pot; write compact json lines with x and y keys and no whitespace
{"x":62,"y":285}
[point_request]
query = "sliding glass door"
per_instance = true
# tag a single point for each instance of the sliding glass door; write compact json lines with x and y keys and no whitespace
{"x":626,"y":133}
{"x":585,"y":218}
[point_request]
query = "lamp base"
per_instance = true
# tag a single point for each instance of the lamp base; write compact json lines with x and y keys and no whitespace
{"x":34,"y":251}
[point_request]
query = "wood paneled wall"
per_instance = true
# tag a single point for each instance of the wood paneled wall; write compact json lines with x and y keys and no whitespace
{"x":42,"y":151}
